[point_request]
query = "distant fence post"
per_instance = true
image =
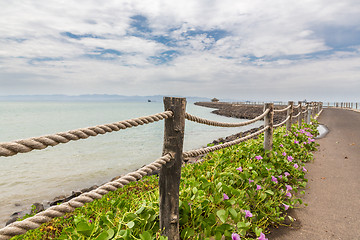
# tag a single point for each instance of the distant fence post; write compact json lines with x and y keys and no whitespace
{"x":301,"y":115}
{"x":268,"y":121}
{"x":169,"y":177}
{"x":308,"y":113}
{"x":289,"y":114}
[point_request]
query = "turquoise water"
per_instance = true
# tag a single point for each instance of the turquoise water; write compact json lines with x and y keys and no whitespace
{"x":39,"y":176}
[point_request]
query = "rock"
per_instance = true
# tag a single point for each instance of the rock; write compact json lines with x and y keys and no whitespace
{"x":36,"y":208}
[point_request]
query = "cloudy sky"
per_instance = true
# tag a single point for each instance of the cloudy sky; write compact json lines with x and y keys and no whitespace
{"x":248,"y":49}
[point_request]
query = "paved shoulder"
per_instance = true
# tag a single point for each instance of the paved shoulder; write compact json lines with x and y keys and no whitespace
{"x":333,"y":190}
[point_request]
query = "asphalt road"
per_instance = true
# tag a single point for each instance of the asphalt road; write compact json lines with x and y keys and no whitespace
{"x":333,"y":190}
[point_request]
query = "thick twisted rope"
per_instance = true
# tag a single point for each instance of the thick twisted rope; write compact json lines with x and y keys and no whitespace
{"x":297,"y":115}
{"x":282,"y":123}
{"x":21,"y":227}
{"x":304,"y":111}
{"x":27,"y":145}
{"x":282,"y":110}
{"x":222,"y":124}
{"x":201,"y":151}
{"x":296,"y":107}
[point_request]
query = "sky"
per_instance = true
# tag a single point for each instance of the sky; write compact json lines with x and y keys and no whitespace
{"x":229,"y":49}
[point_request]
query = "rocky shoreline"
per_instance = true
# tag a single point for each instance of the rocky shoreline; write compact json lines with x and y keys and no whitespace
{"x":222,"y":108}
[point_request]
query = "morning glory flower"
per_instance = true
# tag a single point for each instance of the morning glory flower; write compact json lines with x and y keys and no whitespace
{"x":281,"y":145}
{"x":248,"y":214}
{"x":268,"y":168}
{"x":284,"y":153}
{"x":290,"y":158}
{"x":258,"y":187}
{"x":288,"y":194}
{"x":280,"y":176}
{"x":304,"y":169}
{"x":239,"y":169}
{"x":288,"y":187}
{"x":296,"y":142}
{"x":262,"y":237}
{"x":295,"y":165}
{"x":274,"y":179}
{"x":258,"y":157}
{"x":235,"y":236}
{"x":226,"y":197}
{"x":250,"y":181}
{"x":286,"y":174}
{"x":286,"y":206}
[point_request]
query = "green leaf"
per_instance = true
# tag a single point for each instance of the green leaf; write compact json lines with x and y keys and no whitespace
{"x":233,"y":213}
{"x":269,"y":192}
{"x":145,"y":236}
{"x":130,"y":224}
{"x":222,"y":214}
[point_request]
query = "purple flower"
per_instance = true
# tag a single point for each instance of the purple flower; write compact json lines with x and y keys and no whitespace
{"x":250,"y":181}
{"x":304,"y":143}
{"x":239,"y":169}
{"x":296,"y":142}
{"x":258,"y":187}
{"x":286,"y":135}
{"x":284,"y":153}
{"x":268,"y":168}
{"x":286,"y":206}
{"x":275,"y":153}
{"x":235,"y":236}
{"x":311,"y":140}
{"x":280,"y":176}
{"x":290,"y":158}
{"x":288,"y":194}
{"x":248,"y":214}
{"x":90,"y":221}
{"x":288,"y":187}
{"x":226,"y":197}
{"x":258,"y":157}
{"x":274,"y":179}
{"x":262,"y":237}
{"x":295,"y":165}
{"x":281,"y":145}
{"x":308,"y":134}
{"x":286,"y":174}
{"x":304,"y":169}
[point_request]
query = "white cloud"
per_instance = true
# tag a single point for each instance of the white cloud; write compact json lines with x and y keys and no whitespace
{"x":93,"y":47}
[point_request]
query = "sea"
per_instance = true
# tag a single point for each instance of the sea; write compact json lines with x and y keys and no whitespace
{"x":42,"y":175}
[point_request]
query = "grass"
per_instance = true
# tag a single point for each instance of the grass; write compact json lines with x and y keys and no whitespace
{"x":238,"y":190}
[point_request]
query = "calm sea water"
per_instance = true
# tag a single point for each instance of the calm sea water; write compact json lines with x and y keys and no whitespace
{"x":39,"y":176}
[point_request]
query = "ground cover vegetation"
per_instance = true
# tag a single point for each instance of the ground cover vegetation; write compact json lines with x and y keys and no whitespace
{"x":235,"y":193}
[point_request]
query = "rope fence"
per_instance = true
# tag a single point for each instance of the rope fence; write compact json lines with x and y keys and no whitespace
{"x":169,"y":164}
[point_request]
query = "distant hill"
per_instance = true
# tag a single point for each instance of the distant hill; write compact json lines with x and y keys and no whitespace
{"x":91,"y":98}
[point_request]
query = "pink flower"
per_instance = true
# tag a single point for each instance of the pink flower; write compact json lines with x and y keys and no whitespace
{"x":296,"y":166}
{"x":296,"y":142}
{"x":280,"y":176}
{"x":286,"y":174}
{"x":281,"y":145}
{"x":239,"y":169}
{"x":274,"y":179}
{"x":288,"y":194}
{"x":284,"y":153}
{"x":304,"y":169}
{"x":235,"y":236}
{"x":262,"y":237}
{"x":258,"y":157}
{"x":250,"y":181}
{"x":248,"y":214}
{"x":290,"y":158}
{"x":226,"y":197}
{"x":288,"y":187}
{"x":258,"y":187}
{"x":286,"y":206}
{"x":268,"y":168}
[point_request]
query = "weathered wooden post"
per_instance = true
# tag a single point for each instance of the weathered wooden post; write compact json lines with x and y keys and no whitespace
{"x":289,"y":114}
{"x":269,"y":121}
{"x":308,"y":114}
{"x":301,"y":115}
{"x":356,"y":105}
{"x":169,"y":177}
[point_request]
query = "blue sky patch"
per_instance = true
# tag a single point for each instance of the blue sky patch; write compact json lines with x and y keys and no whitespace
{"x":80,"y":36}
{"x":164,"y":57}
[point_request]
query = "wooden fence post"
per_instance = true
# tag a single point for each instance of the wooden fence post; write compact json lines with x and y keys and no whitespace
{"x":308,"y":120}
{"x":289,"y":113}
{"x":269,"y":121}
{"x":169,"y":177}
{"x":301,"y":116}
